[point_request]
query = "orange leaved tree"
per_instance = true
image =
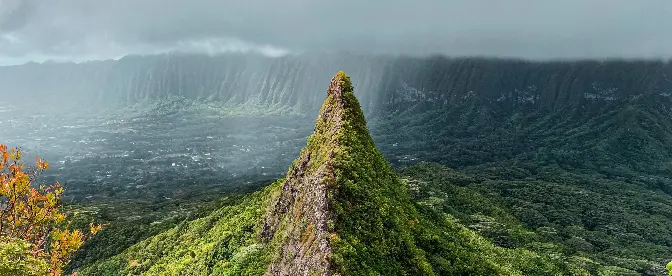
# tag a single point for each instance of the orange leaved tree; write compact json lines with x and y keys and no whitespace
{"x":34,"y":234}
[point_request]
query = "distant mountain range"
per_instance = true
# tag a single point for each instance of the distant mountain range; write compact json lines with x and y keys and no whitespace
{"x":386,"y":83}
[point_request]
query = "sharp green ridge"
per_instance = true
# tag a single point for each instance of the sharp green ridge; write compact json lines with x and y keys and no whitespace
{"x":340,"y":210}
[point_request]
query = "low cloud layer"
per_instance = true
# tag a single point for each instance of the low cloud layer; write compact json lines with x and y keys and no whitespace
{"x":98,"y":29}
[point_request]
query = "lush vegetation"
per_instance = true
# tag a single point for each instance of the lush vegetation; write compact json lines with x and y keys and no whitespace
{"x":571,"y":154}
{"x":35,"y":238}
{"x":380,"y":224}
{"x":129,"y":221}
{"x":545,"y":168}
{"x":523,"y":214}
{"x":593,"y":179}
{"x":226,"y":242}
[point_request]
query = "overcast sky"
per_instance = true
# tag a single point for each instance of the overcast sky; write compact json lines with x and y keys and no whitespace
{"x":535,"y":29}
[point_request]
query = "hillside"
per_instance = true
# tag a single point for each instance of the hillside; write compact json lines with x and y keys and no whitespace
{"x":340,"y":210}
{"x":572,"y":158}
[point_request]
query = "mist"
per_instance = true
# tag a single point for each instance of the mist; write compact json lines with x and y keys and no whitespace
{"x":79,"y":30}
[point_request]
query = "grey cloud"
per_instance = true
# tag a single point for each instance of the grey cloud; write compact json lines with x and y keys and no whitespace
{"x":90,"y":29}
{"x":14,"y":14}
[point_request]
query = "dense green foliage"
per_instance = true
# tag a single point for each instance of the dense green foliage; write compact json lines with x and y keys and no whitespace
{"x":555,"y":217}
{"x":128,"y":222}
{"x":226,"y":242}
{"x":17,"y":260}
{"x":575,"y":154}
{"x":594,"y":179}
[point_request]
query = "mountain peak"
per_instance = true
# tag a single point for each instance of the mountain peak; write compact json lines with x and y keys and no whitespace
{"x":339,"y":85}
{"x":341,"y":208}
{"x":301,"y":220}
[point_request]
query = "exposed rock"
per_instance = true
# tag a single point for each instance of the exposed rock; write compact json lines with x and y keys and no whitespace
{"x":300,"y":217}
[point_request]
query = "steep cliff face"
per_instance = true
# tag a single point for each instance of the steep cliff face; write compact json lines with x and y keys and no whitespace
{"x":509,"y":84}
{"x":386,"y":83}
{"x":233,"y":79}
{"x":465,"y":112}
{"x":341,"y":208}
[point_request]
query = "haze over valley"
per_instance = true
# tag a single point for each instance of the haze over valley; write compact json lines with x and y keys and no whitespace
{"x":177,"y":119}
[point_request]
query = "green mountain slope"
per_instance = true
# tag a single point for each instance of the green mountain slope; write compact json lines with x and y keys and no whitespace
{"x":341,"y":210}
{"x":590,"y":175}
{"x":594,"y":180}
{"x":613,"y":227}
{"x":226,"y":242}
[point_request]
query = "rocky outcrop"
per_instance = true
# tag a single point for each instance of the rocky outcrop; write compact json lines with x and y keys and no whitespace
{"x":301,"y":216}
{"x":342,"y":209}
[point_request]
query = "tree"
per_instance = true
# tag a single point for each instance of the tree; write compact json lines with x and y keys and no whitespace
{"x":34,"y":233}
{"x":669,"y":268}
